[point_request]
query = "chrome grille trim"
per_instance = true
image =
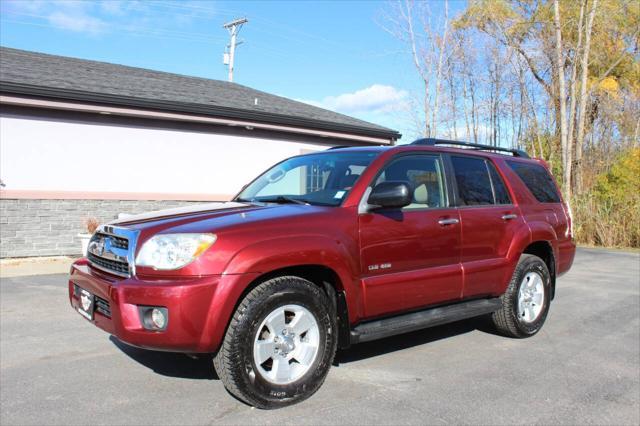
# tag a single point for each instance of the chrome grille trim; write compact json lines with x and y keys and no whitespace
{"x":116,"y":241}
{"x":107,"y":265}
{"x":113,"y":246}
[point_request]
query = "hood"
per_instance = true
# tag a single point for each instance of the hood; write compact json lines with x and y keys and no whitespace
{"x":194,"y":209}
{"x":210,"y":217}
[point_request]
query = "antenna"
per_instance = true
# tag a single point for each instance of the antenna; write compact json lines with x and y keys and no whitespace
{"x":234,"y":28}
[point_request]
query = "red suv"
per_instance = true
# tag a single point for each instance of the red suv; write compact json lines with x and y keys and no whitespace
{"x":330,"y":249}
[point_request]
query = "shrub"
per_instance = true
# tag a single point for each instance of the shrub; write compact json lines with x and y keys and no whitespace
{"x":91,"y":224}
{"x":608,"y":213}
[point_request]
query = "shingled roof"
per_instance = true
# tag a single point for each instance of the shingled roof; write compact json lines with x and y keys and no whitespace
{"x":59,"y":77}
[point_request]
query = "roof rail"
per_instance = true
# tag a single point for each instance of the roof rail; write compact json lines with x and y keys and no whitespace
{"x":338,"y":147}
{"x":434,"y":141}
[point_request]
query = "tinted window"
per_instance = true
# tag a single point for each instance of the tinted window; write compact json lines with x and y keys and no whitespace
{"x":474,"y":184}
{"x":538,"y":180}
{"x":425,"y":177}
{"x":499,"y":189}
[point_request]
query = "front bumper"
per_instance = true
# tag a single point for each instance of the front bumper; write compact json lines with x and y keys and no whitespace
{"x":194,"y":323}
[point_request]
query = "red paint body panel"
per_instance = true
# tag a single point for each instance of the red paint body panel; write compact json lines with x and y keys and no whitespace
{"x":429,"y":264}
{"x":486,"y":241}
{"x":424,"y":258}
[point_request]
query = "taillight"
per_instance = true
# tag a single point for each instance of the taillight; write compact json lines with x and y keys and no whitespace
{"x":569,"y":215}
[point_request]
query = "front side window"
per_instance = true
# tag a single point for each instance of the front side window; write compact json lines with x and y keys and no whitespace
{"x":425,"y":177}
{"x":321,"y":179}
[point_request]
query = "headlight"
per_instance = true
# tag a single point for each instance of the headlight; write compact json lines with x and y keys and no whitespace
{"x":173,"y":251}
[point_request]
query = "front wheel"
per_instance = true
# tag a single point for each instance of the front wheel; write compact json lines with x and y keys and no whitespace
{"x":279,"y":345}
{"x":525,"y":304}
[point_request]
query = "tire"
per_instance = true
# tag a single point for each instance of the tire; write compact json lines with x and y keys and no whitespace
{"x":253,"y":328}
{"x":512,"y":320}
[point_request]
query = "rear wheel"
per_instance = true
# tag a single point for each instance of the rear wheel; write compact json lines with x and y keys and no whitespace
{"x":525,"y":304}
{"x":279,"y":345}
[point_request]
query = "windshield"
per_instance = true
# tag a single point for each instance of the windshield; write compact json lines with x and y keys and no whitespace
{"x":321,"y":179}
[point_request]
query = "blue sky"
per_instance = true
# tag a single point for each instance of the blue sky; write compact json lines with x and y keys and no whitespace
{"x":334,"y":54}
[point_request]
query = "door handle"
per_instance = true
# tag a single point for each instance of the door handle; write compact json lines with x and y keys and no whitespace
{"x":509,"y":216}
{"x":445,"y":222}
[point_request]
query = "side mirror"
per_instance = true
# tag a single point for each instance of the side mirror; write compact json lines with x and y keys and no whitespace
{"x":392,"y":194}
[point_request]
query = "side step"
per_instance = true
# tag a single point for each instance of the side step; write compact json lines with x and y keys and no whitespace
{"x":379,"y":329}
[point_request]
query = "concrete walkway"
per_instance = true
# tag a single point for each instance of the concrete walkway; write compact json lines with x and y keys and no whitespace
{"x":35,"y":266}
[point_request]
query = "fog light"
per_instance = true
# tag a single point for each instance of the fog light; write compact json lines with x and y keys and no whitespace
{"x":154,"y":317}
{"x":157,"y":318}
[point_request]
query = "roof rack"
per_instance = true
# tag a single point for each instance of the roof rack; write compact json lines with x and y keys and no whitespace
{"x":434,"y":141}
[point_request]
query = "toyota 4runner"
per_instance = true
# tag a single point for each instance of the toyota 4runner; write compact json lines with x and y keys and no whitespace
{"x":330,"y":249}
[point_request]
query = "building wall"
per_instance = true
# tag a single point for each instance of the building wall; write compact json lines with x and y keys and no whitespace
{"x":56,"y":155}
{"x":60,"y":172}
{"x":51,"y":227}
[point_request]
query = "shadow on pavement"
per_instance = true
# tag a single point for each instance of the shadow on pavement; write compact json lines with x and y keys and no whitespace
{"x":179,"y":365}
{"x":170,"y":363}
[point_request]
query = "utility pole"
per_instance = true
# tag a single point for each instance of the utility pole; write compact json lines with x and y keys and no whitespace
{"x":234,"y":29}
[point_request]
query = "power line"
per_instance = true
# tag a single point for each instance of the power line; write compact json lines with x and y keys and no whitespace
{"x":136,"y":32}
{"x":174,"y":5}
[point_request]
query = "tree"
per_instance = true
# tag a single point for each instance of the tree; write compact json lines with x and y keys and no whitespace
{"x":409,"y":21}
{"x":562,"y":98}
{"x":563,"y":75}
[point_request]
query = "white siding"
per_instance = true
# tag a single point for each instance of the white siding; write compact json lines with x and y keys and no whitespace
{"x":67,"y":156}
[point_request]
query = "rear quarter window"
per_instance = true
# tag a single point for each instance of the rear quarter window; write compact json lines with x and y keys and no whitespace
{"x":538,"y":180}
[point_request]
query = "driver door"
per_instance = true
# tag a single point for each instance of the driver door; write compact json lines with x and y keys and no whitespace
{"x":410,"y":257}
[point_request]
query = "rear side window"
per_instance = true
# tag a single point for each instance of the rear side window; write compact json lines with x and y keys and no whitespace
{"x":538,"y":180}
{"x":478,"y":182}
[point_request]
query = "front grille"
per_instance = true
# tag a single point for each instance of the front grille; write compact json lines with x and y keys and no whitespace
{"x":103,"y":307}
{"x":119,"y":268}
{"x":111,"y":250}
{"x":117,"y":242}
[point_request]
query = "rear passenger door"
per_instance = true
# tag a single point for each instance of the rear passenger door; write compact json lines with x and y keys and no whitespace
{"x":489,"y":221}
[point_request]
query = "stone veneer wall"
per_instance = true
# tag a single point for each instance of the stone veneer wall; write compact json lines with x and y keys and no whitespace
{"x":51,"y":227}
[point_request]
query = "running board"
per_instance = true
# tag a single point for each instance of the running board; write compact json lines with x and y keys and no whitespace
{"x":379,"y":329}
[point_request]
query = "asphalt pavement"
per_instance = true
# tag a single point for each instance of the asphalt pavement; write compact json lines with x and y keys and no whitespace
{"x":582,"y":368}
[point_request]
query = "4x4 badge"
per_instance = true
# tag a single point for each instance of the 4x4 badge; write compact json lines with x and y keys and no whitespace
{"x":380,"y":266}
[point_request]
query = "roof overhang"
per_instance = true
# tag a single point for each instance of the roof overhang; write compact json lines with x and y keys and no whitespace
{"x":70,"y":100}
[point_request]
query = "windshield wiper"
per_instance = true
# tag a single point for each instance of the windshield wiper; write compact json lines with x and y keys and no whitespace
{"x":281,"y":199}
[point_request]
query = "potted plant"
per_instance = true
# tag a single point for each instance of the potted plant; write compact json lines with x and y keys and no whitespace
{"x":91,"y":224}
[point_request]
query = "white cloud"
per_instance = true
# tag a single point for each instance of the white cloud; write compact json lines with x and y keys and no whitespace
{"x":377,"y":98}
{"x":163,"y":19}
{"x":28,"y":6}
{"x":113,"y":7}
{"x":77,"y":22}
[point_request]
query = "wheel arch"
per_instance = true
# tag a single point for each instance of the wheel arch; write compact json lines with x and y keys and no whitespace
{"x":322,"y":276}
{"x":544,"y":250}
